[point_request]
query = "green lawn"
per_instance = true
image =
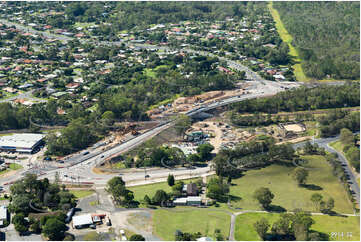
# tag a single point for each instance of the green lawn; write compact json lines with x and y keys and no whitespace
{"x":81,"y":193}
{"x":152,"y":72}
{"x":166,"y":222}
{"x":244,"y":230}
{"x":286,"y":37}
{"x":287,"y":193}
{"x":151,"y":189}
{"x":337,"y":145}
{"x":12,"y":166}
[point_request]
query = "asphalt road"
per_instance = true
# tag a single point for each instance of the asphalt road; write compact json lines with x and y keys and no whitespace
{"x":348,"y":169}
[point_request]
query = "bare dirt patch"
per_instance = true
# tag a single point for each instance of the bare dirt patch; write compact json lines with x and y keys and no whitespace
{"x":294,"y":128}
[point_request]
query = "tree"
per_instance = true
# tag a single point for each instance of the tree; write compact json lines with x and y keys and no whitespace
{"x":218,"y":235}
{"x":136,"y":237}
{"x":346,"y":136}
{"x":261,"y":228}
{"x":264,"y":196}
{"x":159,"y":197}
{"x":282,"y":226}
{"x":54,"y":229}
{"x":21,"y":225}
{"x":328,"y":205}
{"x":300,"y":175}
{"x":170,"y":180}
{"x":57,"y":178}
{"x":301,"y":224}
{"x":316,"y":199}
{"x":35,"y":226}
{"x":217,"y":189}
{"x":204,"y":151}
{"x":116,"y":186}
{"x":183,"y":122}
{"x":147,"y":200}
{"x":314,"y":236}
{"x":177,"y":188}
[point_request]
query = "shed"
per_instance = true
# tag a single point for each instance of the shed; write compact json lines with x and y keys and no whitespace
{"x":194,"y":201}
{"x":82,"y":221}
{"x":180,"y":201}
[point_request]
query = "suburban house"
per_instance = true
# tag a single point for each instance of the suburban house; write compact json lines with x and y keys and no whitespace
{"x":190,"y":189}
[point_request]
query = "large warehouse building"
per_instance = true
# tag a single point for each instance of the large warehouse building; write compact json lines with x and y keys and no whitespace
{"x":23,"y":143}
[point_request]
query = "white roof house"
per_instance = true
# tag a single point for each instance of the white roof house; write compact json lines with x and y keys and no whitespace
{"x":25,"y":142}
{"x":82,"y":220}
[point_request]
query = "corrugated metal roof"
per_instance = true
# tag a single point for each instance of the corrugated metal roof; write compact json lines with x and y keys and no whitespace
{"x":20,"y":140}
{"x":81,"y":220}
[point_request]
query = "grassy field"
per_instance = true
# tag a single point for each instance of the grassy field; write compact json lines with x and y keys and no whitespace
{"x":166,"y":222}
{"x":337,"y":145}
{"x":81,"y":193}
{"x":12,"y":166}
{"x":286,"y":37}
{"x":151,"y":189}
{"x":287,"y":193}
{"x":152,"y":72}
{"x":244,"y":230}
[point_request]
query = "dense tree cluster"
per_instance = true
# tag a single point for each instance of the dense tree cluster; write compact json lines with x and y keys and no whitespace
{"x":290,"y":226}
{"x":336,"y":120}
{"x":185,"y":236}
{"x":303,"y":99}
{"x":218,"y":189}
{"x":121,"y":195}
{"x":350,"y":149}
{"x":248,"y":155}
{"x":30,"y":195}
{"x":338,"y":171}
{"x":41,"y":194}
{"x":326,"y":35}
{"x":258,"y":119}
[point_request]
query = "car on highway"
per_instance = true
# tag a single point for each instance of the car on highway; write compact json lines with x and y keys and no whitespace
{"x":86,"y":152}
{"x":146,"y":176}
